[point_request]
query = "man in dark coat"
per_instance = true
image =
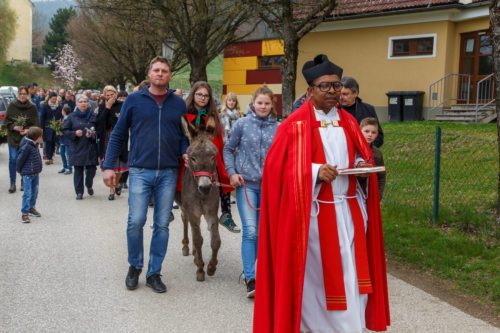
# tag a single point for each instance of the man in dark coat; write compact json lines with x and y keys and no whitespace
{"x":356,"y":107}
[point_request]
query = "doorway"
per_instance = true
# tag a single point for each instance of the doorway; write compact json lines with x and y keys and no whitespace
{"x":476,"y":59}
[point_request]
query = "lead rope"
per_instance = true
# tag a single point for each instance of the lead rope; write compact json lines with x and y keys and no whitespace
{"x":244,"y":189}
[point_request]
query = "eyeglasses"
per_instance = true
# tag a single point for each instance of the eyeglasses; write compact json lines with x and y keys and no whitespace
{"x":326,"y":86}
{"x":83,"y":101}
{"x":23,"y":94}
{"x":200,"y":95}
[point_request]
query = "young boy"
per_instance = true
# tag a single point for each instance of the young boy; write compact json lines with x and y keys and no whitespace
{"x":29,"y":165}
{"x":369,"y":128}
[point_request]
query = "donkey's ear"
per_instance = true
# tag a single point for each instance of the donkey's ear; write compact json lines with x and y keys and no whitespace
{"x":189,"y":130}
{"x":211,"y":125}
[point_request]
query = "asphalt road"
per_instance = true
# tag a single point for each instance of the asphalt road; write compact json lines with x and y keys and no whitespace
{"x":65,"y":272}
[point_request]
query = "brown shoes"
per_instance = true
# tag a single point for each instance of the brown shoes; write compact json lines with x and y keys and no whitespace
{"x":34,"y":212}
{"x":25,"y":218}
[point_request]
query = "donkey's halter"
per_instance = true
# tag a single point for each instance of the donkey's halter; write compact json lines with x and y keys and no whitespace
{"x":211,"y":175}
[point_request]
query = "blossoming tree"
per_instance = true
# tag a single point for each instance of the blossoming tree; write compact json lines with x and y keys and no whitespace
{"x":66,"y":66}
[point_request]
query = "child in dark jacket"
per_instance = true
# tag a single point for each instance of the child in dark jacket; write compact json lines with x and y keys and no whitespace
{"x":29,"y":165}
{"x":370,"y":129}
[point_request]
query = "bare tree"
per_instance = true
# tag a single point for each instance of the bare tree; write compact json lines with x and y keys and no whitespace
{"x":115,"y":47}
{"x":291,"y":20}
{"x":201,"y":29}
{"x":495,"y":37}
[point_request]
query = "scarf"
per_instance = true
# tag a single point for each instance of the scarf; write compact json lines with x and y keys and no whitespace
{"x":201,"y":113}
{"x":87,"y":114}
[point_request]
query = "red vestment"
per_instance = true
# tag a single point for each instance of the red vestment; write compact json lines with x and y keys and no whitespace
{"x":284,"y":227}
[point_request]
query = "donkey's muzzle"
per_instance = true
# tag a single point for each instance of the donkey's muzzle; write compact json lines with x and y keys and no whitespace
{"x":204,"y":185}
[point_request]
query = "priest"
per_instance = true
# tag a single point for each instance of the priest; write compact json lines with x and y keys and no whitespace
{"x":321,"y":260}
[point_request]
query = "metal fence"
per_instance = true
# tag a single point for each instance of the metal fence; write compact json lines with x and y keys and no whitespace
{"x":461,"y":192}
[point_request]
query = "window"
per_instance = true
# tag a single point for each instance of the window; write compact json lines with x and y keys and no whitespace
{"x":420,"y":46}
{"x":270,"y":62}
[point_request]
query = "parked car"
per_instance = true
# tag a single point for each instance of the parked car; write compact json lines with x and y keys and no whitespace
{"x":10,"y":91}
{"x":3,"y":109}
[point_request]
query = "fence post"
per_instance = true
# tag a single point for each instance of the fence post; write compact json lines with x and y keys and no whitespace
{"x":437,"y":174}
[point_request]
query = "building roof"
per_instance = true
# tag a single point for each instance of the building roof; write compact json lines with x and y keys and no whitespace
{"x":347,"y":8}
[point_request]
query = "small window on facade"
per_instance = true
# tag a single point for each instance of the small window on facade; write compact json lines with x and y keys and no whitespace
{"x":411,"y":47}
{"x":270,"y":62}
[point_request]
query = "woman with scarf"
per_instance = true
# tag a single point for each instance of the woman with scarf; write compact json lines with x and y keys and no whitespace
{"x":79,"y":127}
{"x":21,"y":115}
{"x":201,"y":113}
{"x":50,"y":112}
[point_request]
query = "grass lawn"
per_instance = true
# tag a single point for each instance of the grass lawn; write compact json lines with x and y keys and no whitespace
{"x":25,"y":73}
{"x":463,"y":247}
{"x":214,"y":72}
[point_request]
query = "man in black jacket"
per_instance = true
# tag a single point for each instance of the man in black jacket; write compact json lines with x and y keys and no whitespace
{"x":355,"y":106}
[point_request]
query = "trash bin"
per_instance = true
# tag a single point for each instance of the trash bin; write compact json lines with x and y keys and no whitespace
{"x":405,"y":105}
{"x":395,"y":106}
{"x":412,"y":105}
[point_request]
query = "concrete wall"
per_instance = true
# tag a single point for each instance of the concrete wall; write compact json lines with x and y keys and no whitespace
{"x":20,"y":49}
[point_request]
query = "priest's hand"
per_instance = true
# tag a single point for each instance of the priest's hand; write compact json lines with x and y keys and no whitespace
{"x":364,"y":165}
{"x":327,"y":173}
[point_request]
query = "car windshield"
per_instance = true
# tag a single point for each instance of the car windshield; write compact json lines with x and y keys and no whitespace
{"x":3,"y":105}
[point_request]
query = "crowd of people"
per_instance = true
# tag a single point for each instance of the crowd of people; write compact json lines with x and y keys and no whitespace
{"x":292,"y":197}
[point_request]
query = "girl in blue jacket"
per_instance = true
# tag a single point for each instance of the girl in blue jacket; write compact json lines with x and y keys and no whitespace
{"x":244,"y":155}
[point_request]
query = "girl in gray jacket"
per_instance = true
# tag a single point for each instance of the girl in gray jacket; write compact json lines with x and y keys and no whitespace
{"x":244,"y":155}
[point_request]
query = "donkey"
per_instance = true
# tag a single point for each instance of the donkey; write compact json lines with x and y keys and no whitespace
{"x":200,"y":197}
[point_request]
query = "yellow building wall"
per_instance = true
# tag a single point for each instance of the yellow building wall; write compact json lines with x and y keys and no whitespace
{"x":234,"y":77}
{"x":272,"y":47}
{"x":363,"y":54}
{"x":248,"y":89}
{"x":240,"y":63}
{"x":20,"y":49}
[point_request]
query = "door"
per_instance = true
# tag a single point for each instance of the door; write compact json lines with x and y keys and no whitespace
{"x":476,"y":60}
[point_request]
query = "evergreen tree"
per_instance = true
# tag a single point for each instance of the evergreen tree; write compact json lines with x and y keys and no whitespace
{"x":7,"y":28}
{"x":58,"y":36}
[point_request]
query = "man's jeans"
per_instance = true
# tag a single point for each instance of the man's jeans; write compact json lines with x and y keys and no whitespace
{"x":13,"y":151}
{"x":30,"y":193}
{"x":143,"y":184}
{"x":250,"y":221}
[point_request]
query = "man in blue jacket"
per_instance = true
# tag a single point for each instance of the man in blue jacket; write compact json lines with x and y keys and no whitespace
{"x":157,"y":145}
